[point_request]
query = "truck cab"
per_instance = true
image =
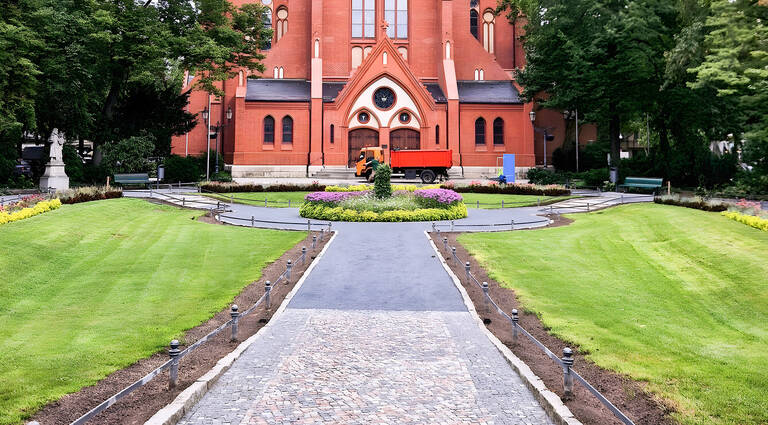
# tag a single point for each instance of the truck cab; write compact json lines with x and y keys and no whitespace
{"x":366,"y":156}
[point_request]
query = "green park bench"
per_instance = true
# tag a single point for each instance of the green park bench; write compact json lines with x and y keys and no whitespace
{"x":642,"y":183}
{"x":132,"y":179}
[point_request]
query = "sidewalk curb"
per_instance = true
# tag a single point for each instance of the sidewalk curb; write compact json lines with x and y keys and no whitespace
{"x":173,"y":412}
{"x":551,"y":403}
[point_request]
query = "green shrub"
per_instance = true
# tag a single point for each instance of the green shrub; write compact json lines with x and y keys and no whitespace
{"x":544,"y":177}
{"x":129,"y":155}
{"x":595,"y":177}
{"x":382,"y":185}
{"x":183,"y":169}
{"x":73,"y":164}
{"x":321,"y":211}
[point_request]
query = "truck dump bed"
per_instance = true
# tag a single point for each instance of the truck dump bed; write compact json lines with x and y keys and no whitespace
{"x":422,"y":159}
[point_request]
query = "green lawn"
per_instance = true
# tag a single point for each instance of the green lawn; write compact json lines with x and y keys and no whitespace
{"x":257,"y":198}
{"x":494,"y":200}
{"x":672,"y":296}
{"x":91,"y":288}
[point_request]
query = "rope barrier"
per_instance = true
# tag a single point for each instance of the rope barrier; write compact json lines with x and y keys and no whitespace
{"x":568,"y":370}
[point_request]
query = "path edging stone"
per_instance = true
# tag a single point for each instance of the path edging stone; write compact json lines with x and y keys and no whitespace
{"x":551,"y":403}
{"x":173,"y":412}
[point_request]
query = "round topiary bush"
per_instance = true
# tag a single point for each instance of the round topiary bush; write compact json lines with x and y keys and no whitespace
{"x":419,"y":205}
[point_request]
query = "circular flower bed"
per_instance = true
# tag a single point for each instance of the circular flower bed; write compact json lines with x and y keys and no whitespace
{"x":403,"y":205}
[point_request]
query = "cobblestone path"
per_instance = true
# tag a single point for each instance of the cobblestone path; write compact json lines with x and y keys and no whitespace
{"x":369,"y":367}
{"x":377,"y":334}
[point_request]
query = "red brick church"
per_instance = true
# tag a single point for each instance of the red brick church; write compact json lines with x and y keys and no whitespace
{"x":400,"y":74}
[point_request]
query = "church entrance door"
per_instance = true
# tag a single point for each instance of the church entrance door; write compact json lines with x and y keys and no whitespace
{"x":404,"y":139}
{"x":358,"y":139}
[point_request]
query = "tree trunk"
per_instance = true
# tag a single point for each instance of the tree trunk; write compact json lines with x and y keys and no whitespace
{"x":614,"y":129}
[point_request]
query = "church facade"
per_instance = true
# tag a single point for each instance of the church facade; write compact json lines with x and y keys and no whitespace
{"x":346,"y":74}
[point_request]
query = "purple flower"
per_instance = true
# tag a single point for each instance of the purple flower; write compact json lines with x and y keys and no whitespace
{"x":441,"y":196}
{"x":332,"y":197}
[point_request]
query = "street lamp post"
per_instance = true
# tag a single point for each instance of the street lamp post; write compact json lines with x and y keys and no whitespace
{"x":545,"y":131}
{"x":206,"y":116}
{"x":219,"y":128}
{"x":569,"y":115}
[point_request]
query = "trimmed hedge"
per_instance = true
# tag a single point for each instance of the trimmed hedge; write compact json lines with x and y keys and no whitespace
{"x":321,"y":211}
{"x":365,"y":187}
{"x":88,"y":194}
{"x":512,"y":189}
{"x":749,"y":220}
{"x":39,"y":208}
{"x":695,"y":203}
{"x":242,"y":188}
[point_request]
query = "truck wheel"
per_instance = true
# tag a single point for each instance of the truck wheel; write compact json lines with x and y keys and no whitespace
{"x":428,"y":176}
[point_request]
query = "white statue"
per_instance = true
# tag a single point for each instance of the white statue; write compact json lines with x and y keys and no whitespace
{"x":57,"y":141}
{"x":55,"y":178}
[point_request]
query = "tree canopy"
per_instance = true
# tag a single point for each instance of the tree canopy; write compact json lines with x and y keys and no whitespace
{"x":106,"y":70}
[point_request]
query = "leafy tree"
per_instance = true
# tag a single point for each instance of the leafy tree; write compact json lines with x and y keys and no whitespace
{"x":735,"y":65}
{"x":603,"y":57}
{"x":129,"y":155}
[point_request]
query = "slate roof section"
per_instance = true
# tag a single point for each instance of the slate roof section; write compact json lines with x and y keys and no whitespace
{"x":436,"y":92}
{"x":489,"y":92}
{"x":270,"y":90}
{"x":331,"y":90}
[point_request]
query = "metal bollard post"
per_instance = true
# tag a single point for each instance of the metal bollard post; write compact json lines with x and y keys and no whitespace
{"x":445,"y":244}
{"x":567,"y":376}
{"x":265,"y":202}
{"x":485,"y":301}
{"x":538,"y":202}
{"x":183,"y":201}
{"x":550,"y":210}
{"x":289,"y":203}
{"x":303,"y":254}
{"x":329,"y":227}
{"x":235,"y":314}
{"x":622,"y":198}
{"x":466,"y":269}
{"x":587,"y":206}
{"x":173,"y":353}
{"x":502,"y":204}
{"x":309,"y":226}
{"x":253,"y":221}
{"x":232,"y":200}
{"x":478,"y":204}
{"x":218,"y":205}
{"x":314,"y":242}
{"x":512,"y":224}
{"x":452,"y":224}
{"x":515,"y":319}
{"x":268,"y":291}
{"x":453,"y":252}
{"x":288,"y":268}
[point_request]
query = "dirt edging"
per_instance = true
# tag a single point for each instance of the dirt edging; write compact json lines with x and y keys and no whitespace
{"x":626,"y":394}
{"x":145,"y":402}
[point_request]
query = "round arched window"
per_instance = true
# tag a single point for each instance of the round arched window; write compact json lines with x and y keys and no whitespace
{"x":405,"y":117}
{"x":363,"y":117}
{"x":384,"y":98}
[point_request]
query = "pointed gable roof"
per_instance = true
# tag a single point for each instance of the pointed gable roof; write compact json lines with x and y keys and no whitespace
{"x":371,"y":70}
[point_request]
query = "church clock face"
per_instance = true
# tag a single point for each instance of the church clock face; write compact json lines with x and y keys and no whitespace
{"x":384,"y":98}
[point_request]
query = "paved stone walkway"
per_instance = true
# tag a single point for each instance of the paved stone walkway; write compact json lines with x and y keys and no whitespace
{"x":377,"y":334}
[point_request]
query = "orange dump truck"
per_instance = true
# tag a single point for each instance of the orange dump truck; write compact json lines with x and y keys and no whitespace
{"x":410,"y":164}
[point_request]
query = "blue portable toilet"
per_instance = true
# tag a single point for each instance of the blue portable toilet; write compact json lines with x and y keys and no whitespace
{"x":509,"y":167}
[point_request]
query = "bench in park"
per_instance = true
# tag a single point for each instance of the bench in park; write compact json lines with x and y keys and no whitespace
{"x":132,"y":179}
{"x":642,"y":183}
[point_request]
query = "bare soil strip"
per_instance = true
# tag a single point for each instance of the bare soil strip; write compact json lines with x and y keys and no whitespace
{"x":626,"y":394}
{"x":140,"y":405}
